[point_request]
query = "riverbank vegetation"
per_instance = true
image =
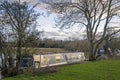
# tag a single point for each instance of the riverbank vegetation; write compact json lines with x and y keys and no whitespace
{"x":97,"y":70}
{"x":19,"y":35}
{"x":38,"y":50}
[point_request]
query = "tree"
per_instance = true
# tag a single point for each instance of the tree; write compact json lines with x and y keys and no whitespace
{"x":92,"y":14}
{"x":33,"y":39}
{"x":20,"y":19}
{"x":6,"y":53}
{"x":112,"y":40}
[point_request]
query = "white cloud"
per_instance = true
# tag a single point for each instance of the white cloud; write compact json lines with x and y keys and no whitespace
{"x":41,"y":4}
{"x":63,"y":35}
{"x":47,"y":24}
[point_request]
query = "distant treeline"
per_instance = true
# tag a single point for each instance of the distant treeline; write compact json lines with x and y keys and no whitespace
{"x":76,"y":45}
{"x":71,"y":45}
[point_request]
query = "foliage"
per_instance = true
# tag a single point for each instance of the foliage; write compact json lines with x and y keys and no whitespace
{"x":32,"y":40}
{"x":114,"y":43}
{"x":75,"y":45}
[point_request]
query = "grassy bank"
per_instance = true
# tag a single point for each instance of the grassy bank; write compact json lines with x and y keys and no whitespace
{"x":99,"y":70}
{"x":41,"y":50}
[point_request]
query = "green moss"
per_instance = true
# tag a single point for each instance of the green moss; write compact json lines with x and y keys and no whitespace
{"x":98,"y":70}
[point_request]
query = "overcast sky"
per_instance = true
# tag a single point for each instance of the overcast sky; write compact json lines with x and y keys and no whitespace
{"x":47,"y":24}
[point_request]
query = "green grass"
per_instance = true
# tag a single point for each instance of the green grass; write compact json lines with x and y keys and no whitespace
{"x":97,"y":70}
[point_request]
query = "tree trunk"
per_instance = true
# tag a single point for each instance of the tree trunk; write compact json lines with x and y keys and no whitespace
{"x":91,"y":44}
{"x":18,"y":64}
{"x":91,"y":52}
